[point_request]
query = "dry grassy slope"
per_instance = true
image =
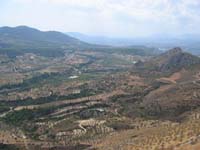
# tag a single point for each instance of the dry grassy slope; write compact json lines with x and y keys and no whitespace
{"x":176,"y":88}
{"x":175,"y":95}
{"x":156,"y":135}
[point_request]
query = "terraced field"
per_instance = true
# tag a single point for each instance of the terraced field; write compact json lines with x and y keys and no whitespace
{"x":82,"y":101}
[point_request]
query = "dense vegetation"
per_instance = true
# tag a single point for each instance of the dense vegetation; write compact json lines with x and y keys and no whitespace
{"x":17,"y":118}
{"x":3,"y":108}
{"x":51,"y":98}
{"x":8,"y":147}
{"x":36,"y":80}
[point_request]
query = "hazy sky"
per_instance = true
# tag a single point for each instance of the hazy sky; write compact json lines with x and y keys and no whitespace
{"x":127,"y":18}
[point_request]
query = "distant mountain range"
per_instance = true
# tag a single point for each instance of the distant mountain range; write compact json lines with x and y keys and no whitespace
{"x":189,"y":42}
{"x":103,"y":40}
{"x":22,"y":39}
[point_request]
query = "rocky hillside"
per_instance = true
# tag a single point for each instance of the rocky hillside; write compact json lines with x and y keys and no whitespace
{"x":170,"y":61}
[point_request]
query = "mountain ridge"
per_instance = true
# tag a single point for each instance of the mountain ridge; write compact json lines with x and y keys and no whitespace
{"x":23,"y":39}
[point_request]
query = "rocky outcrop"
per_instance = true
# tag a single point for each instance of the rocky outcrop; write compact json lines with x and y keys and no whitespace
{"x":171,"y":61}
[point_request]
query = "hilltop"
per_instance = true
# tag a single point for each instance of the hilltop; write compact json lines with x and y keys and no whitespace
{"x":23,"y":39}
{"x":171,"y":61}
